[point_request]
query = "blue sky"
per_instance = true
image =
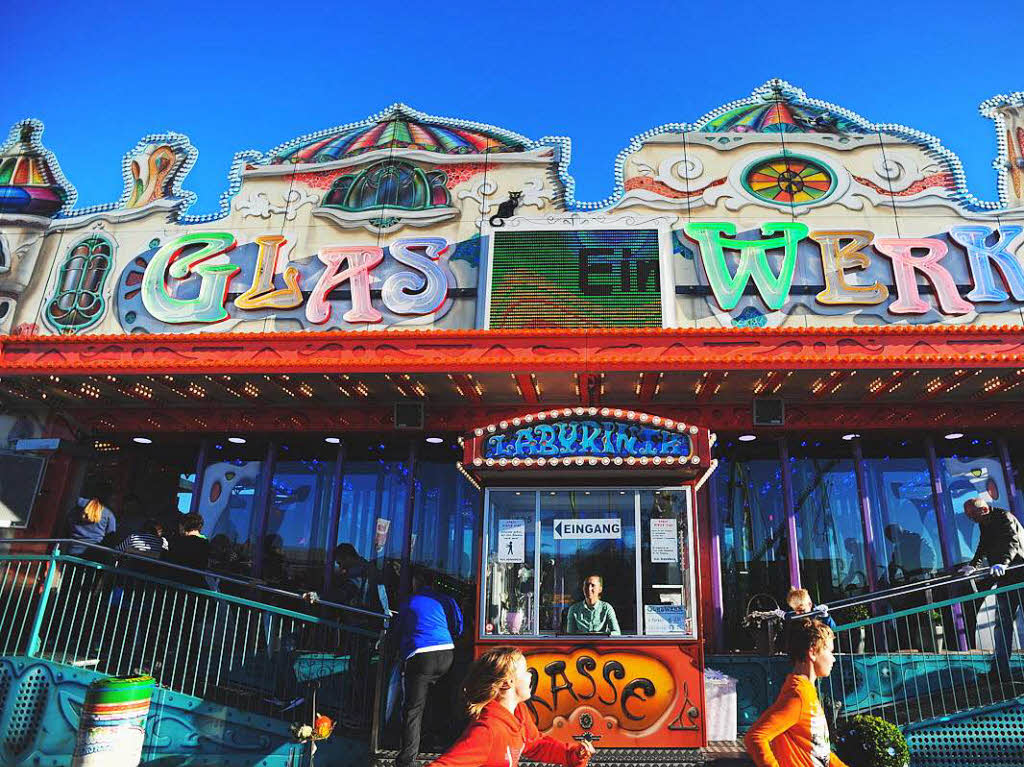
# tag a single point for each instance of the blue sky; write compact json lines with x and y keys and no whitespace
{"x":251,"y":75}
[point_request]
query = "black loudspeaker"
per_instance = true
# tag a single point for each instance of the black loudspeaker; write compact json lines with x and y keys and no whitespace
{"x":769,"y":412}
{"x":408,"y":415}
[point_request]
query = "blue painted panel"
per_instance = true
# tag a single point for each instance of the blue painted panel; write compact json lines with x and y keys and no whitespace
{"x":40,"y":704}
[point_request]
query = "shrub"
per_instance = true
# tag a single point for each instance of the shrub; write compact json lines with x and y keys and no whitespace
{"x":868,"y":741}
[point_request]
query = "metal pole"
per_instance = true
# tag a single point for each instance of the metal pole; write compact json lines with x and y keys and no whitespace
{"x":1011,"y":484}
{"x":34,"y":639}
{"x":945,"y":543}
{"x":717,"y":602}
{"x":262,"y":508}
{"x":410,"y":508}
{"x":334,"y":516}
{"x":865,"y":516}
{"x":939,"y":500}
{"x":792,"y":542}
{"x":197,"y":485}
{"x":378,"y":695}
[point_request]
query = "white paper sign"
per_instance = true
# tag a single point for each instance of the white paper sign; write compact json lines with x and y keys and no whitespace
{"x":587,"y":529}
{"x":665,"y":619}
{"x":511,"y":540}
{"x":380,"y":535}
{"x":664,"y":540}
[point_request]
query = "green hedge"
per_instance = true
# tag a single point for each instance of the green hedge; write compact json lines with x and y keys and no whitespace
{"x":868,"y":741}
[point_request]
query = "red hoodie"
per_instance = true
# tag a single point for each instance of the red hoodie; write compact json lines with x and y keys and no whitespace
{"x":498,"y":738}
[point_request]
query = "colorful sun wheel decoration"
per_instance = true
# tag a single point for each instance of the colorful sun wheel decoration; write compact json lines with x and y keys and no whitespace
{"x":793,"y":180}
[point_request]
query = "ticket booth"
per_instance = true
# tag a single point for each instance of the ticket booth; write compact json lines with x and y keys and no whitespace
{"x":589,"y":565}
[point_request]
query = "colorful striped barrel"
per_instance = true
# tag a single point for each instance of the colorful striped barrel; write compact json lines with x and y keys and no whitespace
{"x":112,"y":726}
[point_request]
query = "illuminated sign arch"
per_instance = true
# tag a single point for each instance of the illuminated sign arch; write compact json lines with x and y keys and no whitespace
{"x":586,"y":438}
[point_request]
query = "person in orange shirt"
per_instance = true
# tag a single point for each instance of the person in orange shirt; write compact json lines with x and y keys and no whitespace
{"x":502,"y":730}
{"x":793,"y":731}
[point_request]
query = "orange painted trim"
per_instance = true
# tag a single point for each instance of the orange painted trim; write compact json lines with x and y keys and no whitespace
{"x":524,"y":351}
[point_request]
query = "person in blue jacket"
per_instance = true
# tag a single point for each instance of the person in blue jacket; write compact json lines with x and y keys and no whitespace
{"x":425,"y":632}
{"x":92,"y":522}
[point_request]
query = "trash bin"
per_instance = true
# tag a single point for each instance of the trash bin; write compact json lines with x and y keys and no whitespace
{"x":720,"y":705}
{"x":112,"y":726}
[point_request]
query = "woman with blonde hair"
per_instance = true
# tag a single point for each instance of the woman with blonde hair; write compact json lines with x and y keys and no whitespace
{"x":502,"y":730}
{"x":89,"y":521}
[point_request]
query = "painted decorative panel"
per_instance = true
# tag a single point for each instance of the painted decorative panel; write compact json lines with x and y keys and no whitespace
{"x":773,"y":210}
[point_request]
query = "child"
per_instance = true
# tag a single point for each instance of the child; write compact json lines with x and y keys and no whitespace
{"x":793,"y":731}
{"x":497,"y":686}
{"x":799,"y":601}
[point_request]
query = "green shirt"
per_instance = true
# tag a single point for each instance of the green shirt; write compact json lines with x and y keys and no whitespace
{"x":599,"y":619}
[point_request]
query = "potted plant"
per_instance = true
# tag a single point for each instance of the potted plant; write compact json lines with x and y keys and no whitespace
{"x":320,"y":729}
{"x":515,"y":601}
{"x":934,"y":633}
{"x":764,"y":626}
{"x":859,"y":635}
{"x":869,"y":741}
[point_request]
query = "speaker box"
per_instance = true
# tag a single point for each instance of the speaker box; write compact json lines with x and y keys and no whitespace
{"x":408,"y":415}
{"x":769,"y":412}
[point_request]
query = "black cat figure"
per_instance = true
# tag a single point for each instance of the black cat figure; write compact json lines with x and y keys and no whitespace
{"x":506,"y":209}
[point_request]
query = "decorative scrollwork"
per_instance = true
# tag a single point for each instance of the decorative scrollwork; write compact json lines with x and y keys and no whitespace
{"x":689,"y":710}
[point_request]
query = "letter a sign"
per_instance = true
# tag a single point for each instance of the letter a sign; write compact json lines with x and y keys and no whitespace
{"x":587,"y":529}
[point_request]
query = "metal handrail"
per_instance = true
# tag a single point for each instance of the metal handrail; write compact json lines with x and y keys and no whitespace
{"x":923,"y":660}
{"x":204,"y":573}
{"x":939,"y":581}
{"x":117,"y":618}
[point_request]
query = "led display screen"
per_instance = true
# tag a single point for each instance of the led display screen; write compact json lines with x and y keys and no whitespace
{"x":577,"y":279}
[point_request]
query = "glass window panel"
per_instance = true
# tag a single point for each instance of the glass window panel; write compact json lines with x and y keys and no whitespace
{"x":141,"y":482}
{"x":755,"y":560}
{"x":969,"y":467}
{"x":571,"y":553}
{"x":229,"y":503}
{"x":186,"y":487}
{"x":828,"y":518}
{"x":302,"y":489}
{"x":1015,"y":447}
{"x":508,"y":599}
{"x":903,"y":519}
{"x":667,"y":562}
{"x":375,"y":491}
{"x":444,"y":519}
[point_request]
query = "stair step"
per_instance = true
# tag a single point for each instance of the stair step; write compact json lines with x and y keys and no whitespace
{"x":604,"y":757}
{"x":945,"y":702}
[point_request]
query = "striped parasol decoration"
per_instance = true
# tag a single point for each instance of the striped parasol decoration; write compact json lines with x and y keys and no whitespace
{"x":780,"y":116}
{"x":27,"y":184}
{"x":400,"y":132}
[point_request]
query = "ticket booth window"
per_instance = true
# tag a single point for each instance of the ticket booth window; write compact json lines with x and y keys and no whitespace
{"x":615,"y":562}
{"x":588,"y":540}
{"x":509,"y":597}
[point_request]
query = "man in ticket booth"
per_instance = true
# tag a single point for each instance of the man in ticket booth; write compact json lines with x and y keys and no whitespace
{"x":591,"y":615}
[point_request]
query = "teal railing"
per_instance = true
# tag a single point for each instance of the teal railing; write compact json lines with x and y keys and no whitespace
{"x":930,"y":651}
{"x":222,"y":639}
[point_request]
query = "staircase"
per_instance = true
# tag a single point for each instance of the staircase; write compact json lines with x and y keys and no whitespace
{"x":237,"y":663}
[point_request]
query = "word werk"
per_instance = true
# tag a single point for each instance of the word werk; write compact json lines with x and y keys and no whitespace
{"x":421,"y":289}
{"x":587,"y":438}
{"x":843,"y":252}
